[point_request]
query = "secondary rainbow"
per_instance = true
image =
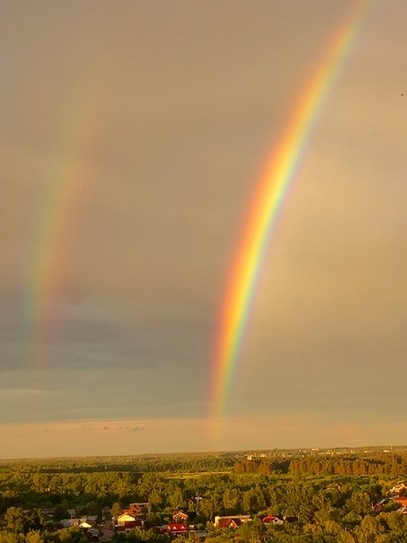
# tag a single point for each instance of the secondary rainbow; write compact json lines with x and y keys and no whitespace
{"x":270,"y":193}
{"x":55,"y":222}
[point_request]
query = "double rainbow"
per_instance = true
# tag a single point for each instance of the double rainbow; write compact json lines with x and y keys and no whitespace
{"x":270,"y":193}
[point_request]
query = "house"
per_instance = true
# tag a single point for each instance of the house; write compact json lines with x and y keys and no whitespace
{"x":233,"y":521}
{"x":176,"y":529}
{"x":398,"y":488}
{"x":229,"y":523}
{"x":126,"y":522}
{"x":272,"y":519}
{"x":48,"y":512}
{"x":69,"y":522}
{"x":91,"y":533}
{"x":401,"y":500}
{"x":180,"y":517}
{"x":83,"y":522}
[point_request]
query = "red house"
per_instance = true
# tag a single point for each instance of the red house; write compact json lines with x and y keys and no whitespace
{"x":401,"y":500}
{"x":177,"y":529}
{"x":272,"y":519}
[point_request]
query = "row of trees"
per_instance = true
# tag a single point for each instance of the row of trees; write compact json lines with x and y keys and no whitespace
{"x":187,"y":463}
{"x":376,"y":464}
{"x":221,"y":494}
{"x":208,"y":495}
{"x":384,"y":528}
{"x":329,"y":507}
{"x":387,"y":464}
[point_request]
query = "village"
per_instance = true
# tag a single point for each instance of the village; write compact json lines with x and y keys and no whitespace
{"x":281,"y":497}
{"x":137,"y":516}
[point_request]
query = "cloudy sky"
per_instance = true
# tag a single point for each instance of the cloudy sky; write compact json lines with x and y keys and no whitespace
{"x":132,"y":137}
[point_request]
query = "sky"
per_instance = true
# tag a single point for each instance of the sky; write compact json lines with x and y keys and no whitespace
{"x":132,"y":138}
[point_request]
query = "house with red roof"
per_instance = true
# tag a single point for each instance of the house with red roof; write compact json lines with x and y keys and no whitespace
{"x":401,"y":500}
{"x":272,"y":519}
{"x":175,"y":529}
{"x":233,"y":521}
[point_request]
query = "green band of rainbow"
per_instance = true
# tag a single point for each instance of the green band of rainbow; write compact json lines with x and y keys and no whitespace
{"x":270,"y":193}
{"x":55,"y":223}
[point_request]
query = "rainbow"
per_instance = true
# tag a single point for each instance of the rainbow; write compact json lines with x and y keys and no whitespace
{"x":55,"y":222}
{"x":269,"y":196}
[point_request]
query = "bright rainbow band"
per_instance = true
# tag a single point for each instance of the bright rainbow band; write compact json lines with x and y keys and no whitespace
{"x":270,"y":193}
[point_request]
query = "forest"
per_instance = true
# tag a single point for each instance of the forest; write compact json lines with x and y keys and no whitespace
{"x":312,"y":496}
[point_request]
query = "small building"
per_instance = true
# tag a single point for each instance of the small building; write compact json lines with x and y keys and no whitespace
{"x":175,"y":529}
{"x":126,"y":522}
{"x":233,"y":521}
{"x":399,"y":487}
{"x":401,"y":500}
{"x":180,"y":517}
{"x":272,"y":519}
{"x":69,"y":522}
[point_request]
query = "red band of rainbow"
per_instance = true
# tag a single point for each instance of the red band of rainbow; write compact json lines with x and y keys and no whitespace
{"x":270,"y":193}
